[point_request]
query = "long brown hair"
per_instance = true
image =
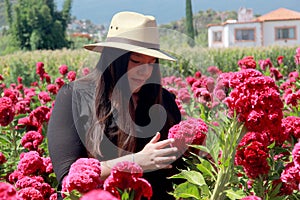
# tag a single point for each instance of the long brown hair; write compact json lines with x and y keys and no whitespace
{"x":112,"y":66}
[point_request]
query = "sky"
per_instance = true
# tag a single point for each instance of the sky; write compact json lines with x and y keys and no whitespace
{"x":165,"y":11}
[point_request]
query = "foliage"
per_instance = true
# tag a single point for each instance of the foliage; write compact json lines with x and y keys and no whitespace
{"x":37,"y":25}
{"x":189,"y":22}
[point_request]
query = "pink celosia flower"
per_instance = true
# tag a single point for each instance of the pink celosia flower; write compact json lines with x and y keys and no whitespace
{"x":214,"y":70}
{"x":71,"y":76}
{"x":63,"y":69}
{"x":2,"y":158}
{"x":47,"y":165}
{"x":84,"y":175}
{"x":264,"y":64}
{"x":8,"y":192}
{"x":291,"y":176}
{"x":44,"y":97}
{"x":30,"y":193}
{"x":297,"y":56}
{"x":296,"y":154}
{"x":31,"y":140}
{"x":127,"y":175}
{"x":190,"y":80}
{"x":247,"y":62}
{"x":60,"y":82}
{"x":189,"y":131}
{"x":36,"y":182}
{"x":53,"y":196}
{"x":22,"y":106}
{"x":12,"y":94}
{"x":85,"y":71}
{"x":184,"y":95}
{"x":291,"y":126}
{"x":7,"y":111}
{"x":251,"y":198}
{"x":30,"y":163}
{"x":98,"y":194}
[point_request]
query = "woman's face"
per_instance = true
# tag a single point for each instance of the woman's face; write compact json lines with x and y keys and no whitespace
{"x":139,"y":70}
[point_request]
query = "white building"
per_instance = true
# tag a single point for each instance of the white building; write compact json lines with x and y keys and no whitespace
{"x":279,"y":27}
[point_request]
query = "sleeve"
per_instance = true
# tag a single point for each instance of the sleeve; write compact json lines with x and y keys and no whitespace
{"x":64,"y":143}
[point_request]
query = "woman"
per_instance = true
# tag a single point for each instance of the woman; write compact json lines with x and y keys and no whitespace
{"x":120,"y":111}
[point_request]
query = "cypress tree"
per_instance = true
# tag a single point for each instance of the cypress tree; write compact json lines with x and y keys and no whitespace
{"x":189,"y":23}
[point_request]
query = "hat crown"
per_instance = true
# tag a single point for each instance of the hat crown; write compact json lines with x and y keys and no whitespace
{"x":134,"y":26}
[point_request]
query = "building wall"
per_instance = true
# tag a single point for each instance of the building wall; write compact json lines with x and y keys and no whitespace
{"x":270,"y":33}
{"x":232,"y":42}
{"x":211,"y":31}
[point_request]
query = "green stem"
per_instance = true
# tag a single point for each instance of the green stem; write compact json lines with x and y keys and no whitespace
{"x":14,"y":141}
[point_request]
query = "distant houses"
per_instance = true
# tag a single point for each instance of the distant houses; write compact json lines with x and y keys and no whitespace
{"x":279,"y":27}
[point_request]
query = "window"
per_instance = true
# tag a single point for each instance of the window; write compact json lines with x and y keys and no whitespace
{"x":285,"y":33}
{"x":217,"y":36}
{"x":244,"y":34}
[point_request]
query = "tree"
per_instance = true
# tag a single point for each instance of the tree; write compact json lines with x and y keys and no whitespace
{"x":36,"y":24}
{"x":189,"y":22}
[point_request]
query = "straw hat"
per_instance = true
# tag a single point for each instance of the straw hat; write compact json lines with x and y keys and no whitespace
{"x":133,"y":32}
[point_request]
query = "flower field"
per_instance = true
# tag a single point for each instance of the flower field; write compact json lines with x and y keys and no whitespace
{"x":239,"y":136}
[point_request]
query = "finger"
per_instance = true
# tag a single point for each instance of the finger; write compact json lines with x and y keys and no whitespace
{"x":164,"y":143}
{"x":165,"y":160}
{"x":155,"y":138}
{"x":166,"y":151}
{"x":163,"y":166}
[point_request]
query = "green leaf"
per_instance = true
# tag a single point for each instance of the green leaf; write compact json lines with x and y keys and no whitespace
{"x":206,"y":168}
{"x":212,"y":143}
{"x":238,"y":194}
{"x":193,"y":177}
{"x":186,"y":190}
{"x":4,"y":139}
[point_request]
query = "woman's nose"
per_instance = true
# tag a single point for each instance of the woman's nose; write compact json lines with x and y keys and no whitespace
{"x":145,"y":69}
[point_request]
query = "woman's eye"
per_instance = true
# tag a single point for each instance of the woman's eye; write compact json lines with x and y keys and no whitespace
{"x":134,"y":61}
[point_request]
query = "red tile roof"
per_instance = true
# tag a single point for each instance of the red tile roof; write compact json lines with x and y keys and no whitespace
{"x":280,"y":14}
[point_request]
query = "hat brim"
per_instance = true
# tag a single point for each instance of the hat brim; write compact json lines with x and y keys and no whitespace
{"x":98,"y":47}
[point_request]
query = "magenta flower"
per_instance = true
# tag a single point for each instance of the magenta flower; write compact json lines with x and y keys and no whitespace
{"x":84,"y":175}
{"x":40,"y":70}
{"x":291,"y":176}
{"x":63,"y":69}
{"x":60,"y":82}
{"x":214,"y":70}
{"x":85,"y":71}
{"x":44,"y":97}
{"x":247,"y":62}
{"x":98,"y":194}
{"x":31,"y":140}
{"x":127,"y":176}
{"x":8,"y":192}
{"x":52,"y":88}
{"x":30,"y":163}
{"x":30,"y":193}
{"x":291,"y":126}
{"x":189,"y":131}
{"x":280,"y":60}
{"x":7,"y":111}
{"x":71,"y":76}
{"x":296,"y":154}
{"x":15,"y":176}
{"x":251,"y":198}
{"x":2,"y":158}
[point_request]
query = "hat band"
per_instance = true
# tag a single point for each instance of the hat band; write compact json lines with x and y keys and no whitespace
{"x":133,"y":42}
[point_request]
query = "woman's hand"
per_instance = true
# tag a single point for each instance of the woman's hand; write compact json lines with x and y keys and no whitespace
{"x":156,"y":154}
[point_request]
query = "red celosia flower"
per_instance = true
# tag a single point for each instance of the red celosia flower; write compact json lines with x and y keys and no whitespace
{"x":60,"y":82}
{"x":127,"y":176}
{"x":291,"y":176}
{"x":40,"y":69}
{"x":98,"y":194}
{"x":63,"y":69}
{"x":52,"y":88}
{"x":22,"y":106}
{"x":247,"y":62}
{"x":44,"y":97}
{"x":265,"y":63}
{"x":2,"y":158}
{"x":30,"y":163}
{"x":8,"y":192}
{"x":198,"y":74}
{"x":291,"y":126}
{"x":47,"y":77}
{"x":251,"y":198}
{"x":275,"y":73}
{"x":1,"y":77}
{"x":84,"y":175}
{"x":15,"y":176}
{"x":7,"y":111}
{"x":184,"y":95}
{"x":12,"y":94}
{"x":71,"y":76}
{"x":280,"y":60}
{"x":31,"y":140}
{"x":30,"y":193}
{"x":53,"y":196}
{"x":189,"y":131}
